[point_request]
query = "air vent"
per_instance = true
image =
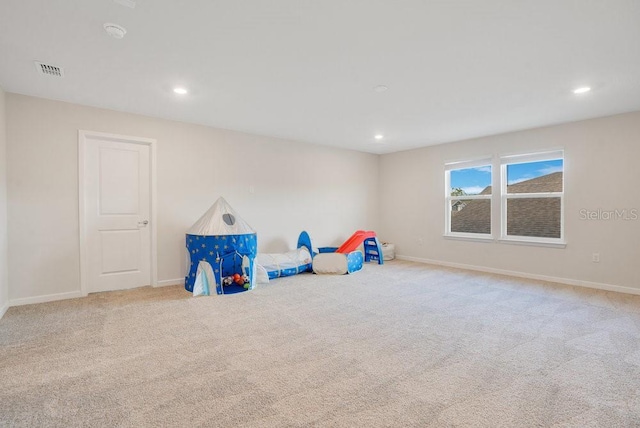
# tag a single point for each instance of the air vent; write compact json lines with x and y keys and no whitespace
{"x":49,"y":70}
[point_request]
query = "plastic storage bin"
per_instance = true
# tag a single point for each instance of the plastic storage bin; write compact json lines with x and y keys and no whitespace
{"x":388,"y":251}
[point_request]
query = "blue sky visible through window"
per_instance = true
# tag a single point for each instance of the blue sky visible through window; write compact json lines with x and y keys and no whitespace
{"x":474,"y":180}
{"x":520,"y":172}
{"x":471,"y":180}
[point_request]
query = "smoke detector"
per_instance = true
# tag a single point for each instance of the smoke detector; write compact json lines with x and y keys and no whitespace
{"x":114,"y":30}
{"x":48,"y":69}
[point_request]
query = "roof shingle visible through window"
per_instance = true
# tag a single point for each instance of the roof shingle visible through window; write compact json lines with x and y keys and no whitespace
{"x":539,"y":217}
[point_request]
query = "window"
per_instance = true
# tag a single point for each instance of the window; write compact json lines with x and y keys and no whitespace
{"x":468,"y":199}
{"x":529,"y":204}
{"x":532,"y":197}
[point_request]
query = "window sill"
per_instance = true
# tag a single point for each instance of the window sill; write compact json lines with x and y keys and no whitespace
{"x":511,"y":241}
{"x":473,"y":238}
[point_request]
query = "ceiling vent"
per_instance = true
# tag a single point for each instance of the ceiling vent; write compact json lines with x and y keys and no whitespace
{"x":49,"y":70}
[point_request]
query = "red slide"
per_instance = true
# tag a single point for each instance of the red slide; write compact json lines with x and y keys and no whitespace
{"x":355,"y":241}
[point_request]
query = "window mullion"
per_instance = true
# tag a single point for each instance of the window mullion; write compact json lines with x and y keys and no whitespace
{"x":469,"y":197}
{"x":534,"y":195}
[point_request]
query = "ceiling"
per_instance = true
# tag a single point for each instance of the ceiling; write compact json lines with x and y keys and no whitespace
{"x":306,"y":70}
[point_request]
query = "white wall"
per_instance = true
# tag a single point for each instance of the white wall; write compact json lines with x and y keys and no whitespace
{"x":4,"y":278}
{"x":601,"y":172}
{"x":327,"y":191}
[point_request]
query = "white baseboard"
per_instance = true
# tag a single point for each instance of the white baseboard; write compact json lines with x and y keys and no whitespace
{"x":70,"y":295}
{"x":567,"y":281}
{"x":45,"y":298}
{"x":167,"y":282}
{"x":3,"y":310}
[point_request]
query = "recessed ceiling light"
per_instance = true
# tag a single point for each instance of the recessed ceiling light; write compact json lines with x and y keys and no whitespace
{"x":582,"y":90}
{"x":380,"y":88}
{"x":114,"y":30}
{"x":180,"y":91}
{"x":378,"y":137}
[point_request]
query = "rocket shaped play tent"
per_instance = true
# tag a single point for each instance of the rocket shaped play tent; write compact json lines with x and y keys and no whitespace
{"x":220,"y":244}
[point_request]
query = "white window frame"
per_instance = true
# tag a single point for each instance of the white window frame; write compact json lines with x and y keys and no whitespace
{"x":504,"y":197}
{"x":451,"y":166}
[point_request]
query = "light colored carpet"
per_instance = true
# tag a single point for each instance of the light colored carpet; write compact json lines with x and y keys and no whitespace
{"x":403,"y":345}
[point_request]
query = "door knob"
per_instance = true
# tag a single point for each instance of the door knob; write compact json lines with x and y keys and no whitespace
{"x":143,"y":223}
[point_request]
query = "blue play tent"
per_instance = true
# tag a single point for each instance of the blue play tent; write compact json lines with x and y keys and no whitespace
{"x":219,"y":244}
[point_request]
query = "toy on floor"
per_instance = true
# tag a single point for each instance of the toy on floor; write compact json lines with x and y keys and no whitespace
{"x":276,"y":265}
{"x":347,"y":258}
{"x":219,"y":245}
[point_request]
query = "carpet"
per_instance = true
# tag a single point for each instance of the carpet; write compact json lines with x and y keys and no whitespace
{"x":398,"y":345}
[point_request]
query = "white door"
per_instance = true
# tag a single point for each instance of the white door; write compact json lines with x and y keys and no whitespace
{"x":117,"y":205}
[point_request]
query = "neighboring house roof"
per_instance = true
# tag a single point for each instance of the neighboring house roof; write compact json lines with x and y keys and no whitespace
{"x":474,"y":217}
{"x":546,"y":183}
{"x":525,"y":217}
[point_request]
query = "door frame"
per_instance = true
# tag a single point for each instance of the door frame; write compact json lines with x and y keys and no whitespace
{"x":84,"y":138}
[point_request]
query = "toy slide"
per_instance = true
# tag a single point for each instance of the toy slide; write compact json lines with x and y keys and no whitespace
{"x":355,"y":241}
{"x":348,"y":258}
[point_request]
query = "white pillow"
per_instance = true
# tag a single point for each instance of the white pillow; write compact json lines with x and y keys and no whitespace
{"x":330,"y":263}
